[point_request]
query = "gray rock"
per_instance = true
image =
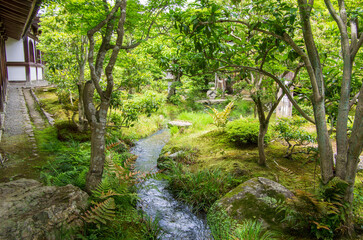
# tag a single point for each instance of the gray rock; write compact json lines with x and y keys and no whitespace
{"x":175,"y":155}
{"x":29,"y":210}
{"x":180,"y":123}
{"x":255,"y":199}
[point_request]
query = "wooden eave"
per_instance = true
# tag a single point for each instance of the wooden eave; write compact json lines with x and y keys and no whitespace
{"x":17,"y":16}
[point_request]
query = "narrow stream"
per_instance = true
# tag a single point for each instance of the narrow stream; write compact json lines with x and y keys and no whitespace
{"x":175,"y":218}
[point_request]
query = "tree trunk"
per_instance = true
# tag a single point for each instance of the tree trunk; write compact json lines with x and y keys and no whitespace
{"x":355,"y":148}
{"x":314,"y":69}
{"x":82,"y":121}
{"x":94,"y":175}
{"x":262,"y":131}
{"x":171,"y":90}
{"x":261,"y":144}
{"x":324,"y":144}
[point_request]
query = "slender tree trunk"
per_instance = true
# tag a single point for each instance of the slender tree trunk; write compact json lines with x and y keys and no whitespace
{"x":261,"y":144}
{"x":98,"y":117}
{"x":355,"y":148}
{"x":82,"y":121}
{"x":314,"y":69}
{"x":324,"y":144}
{"x":82,"y":59}
{"x":262,"y":131}
{"x":171,"y":91}
{"x":94,"y":175}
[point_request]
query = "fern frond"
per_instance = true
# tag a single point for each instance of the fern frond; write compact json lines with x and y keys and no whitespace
{"x":103,"y":186}
{"x":112,"y":145}
{"x":284,"y":169}
{"x":123,"y":173}
{"x":108,"y":194}
{"x":101,"y":212}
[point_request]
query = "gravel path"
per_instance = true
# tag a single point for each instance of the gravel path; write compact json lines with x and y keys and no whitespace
{"x":18,"y":144}
{"x":15,"y":112}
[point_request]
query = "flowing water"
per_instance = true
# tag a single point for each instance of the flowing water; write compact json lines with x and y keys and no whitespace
{"x":175,"y":218}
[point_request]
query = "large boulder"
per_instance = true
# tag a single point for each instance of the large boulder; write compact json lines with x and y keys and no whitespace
{"x":256,"y":199}
{"x":29,"y":210}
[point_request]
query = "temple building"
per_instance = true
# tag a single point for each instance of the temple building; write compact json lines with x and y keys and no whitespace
{"x":23,"y":58}
{"x":20,"y":61}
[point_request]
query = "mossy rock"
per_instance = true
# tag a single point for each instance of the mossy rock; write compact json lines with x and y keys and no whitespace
{"x":67,"y":131}
{"x":256,"y":199}
{"x":29,"y":210}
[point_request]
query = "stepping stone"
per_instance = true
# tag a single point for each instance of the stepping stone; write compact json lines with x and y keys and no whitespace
{"x":179,"y":123}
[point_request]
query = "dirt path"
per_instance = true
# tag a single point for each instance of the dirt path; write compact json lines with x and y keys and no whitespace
{"x":18,"y":144}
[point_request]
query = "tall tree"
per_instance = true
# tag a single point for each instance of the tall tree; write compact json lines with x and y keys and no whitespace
{"x":293,"y":26}
{"x":114,"y":33}
{"x":65,"y":52}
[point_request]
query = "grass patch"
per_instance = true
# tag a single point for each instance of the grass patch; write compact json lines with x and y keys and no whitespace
{"x":223,"y":227}
{"x":200,"y":189}
{"x":50,"y":103}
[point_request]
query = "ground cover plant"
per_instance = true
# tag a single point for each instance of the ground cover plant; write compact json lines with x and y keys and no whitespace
{"x":216,"y":152}
{"x":148,"y":63}
{"x":210,"y":162}
{"x":112,"y":213}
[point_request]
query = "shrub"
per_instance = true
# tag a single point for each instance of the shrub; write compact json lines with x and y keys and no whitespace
{"x":149,"y":102}
{"x":245,"y":131}
{"x":290,"y":130}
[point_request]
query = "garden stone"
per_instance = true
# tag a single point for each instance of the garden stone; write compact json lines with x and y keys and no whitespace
{"x":179,"y":123}
{"x":255,"y":199}
{"x":211,"y":94}
{"x":175,"y":155}
{"x":29,"y":210}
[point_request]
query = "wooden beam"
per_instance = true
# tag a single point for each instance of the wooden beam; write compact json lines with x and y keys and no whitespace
{"x":13,"y":11}
{"x":12,"y":5}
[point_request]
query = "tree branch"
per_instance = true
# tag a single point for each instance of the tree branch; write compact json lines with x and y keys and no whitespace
{"x":354,"y":33}
{"x":354,"y":100}
{"x":281,"y":85}
{"x":274,"y":106}
{"x":355,"y":49}
{"x":115,"y":51}
{"x":106,"y":20}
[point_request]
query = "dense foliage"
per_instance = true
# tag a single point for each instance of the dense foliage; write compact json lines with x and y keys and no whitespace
{"x":245,"y":132}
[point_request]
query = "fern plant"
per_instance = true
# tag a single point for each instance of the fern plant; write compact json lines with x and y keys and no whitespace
{"x":101,"y":212}
{"x":123,"y":173}
{"x":221,"y":118}
{"x":252,"y":230}
{"x":323,"y":215}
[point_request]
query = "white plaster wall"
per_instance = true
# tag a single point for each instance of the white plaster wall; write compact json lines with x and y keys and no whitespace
{"x":33,"y":73}
{"x":14,"y":50}
{"x":40,"y":73}
{"x":16,"y":73}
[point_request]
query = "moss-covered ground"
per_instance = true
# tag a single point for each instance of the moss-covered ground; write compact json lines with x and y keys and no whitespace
{"x":213,"y":150}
